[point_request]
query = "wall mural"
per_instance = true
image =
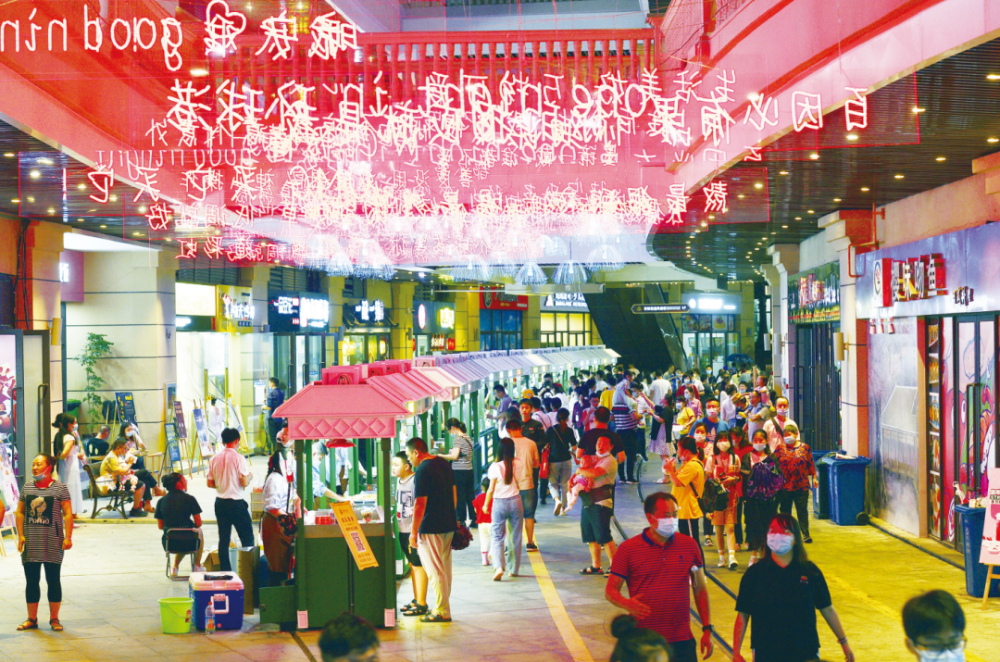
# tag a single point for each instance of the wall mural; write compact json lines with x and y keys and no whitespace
{"x":892,"y":426}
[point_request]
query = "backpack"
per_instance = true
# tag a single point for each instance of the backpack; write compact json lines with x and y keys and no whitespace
{"x":714,"y":496}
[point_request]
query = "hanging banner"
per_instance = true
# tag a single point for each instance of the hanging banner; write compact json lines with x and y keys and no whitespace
{"x":355,"y":537}
{"x":814,"y":295}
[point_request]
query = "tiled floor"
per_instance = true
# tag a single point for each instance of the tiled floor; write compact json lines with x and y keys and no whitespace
{"x":114,"y":576}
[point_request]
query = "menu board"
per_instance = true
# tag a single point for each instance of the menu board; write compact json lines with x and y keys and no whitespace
{"x":173,"y":448}
{"x":179,"y":420}
{"x":126,"y":407}
{"x":990,"y":553}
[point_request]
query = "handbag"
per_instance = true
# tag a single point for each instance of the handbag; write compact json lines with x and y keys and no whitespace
{"x":462,"y":538}
{"x":543,"y":468}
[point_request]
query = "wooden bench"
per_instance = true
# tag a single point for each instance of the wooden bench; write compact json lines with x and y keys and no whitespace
{"x":118,"y":498}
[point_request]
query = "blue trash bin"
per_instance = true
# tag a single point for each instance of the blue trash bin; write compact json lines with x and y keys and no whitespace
{"x":821,"y":495}
{"x":847,"y":489}
{"x":972,"y":522}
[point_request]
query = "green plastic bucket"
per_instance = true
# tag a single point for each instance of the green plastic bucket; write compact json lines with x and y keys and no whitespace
{"x":175,"y":615}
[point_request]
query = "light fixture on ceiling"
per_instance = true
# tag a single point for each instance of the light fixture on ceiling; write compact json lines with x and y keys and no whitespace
{"x":82,"y":187}
{"x":993,"y":77}
{"x":783,"y":172}
{"x":852,"y":136}
{"x":741,"y":196}
{"x":811,"y":211}
{"x":865,"y":189}
{"x":798,"y":218}
{"x":993,"y":140}
{"x":758,"y":185}
{"x":113,"y":198}
{"x":103,"y":227}
{"x":199,"y":72}
{"x":16,"y":200}
{"x":9,"y":155}
{"x":79,"y":220}
{"x":34,"y":174}
{"x":918,"y":109}
{"x":814,"y":156}
{"x":941,"y":158}
{"x":836,"y":199}
{"x":784,"y":227}
{"x":900,"y":176}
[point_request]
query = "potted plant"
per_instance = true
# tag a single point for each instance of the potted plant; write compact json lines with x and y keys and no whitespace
{"x":96,"y":348}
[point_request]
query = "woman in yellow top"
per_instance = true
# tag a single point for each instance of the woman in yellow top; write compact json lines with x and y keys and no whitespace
{"x":689,"y":484}
{"x":684,"y":419}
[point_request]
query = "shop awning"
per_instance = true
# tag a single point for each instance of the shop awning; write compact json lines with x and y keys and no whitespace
{"x":321,"y":411}
{"x":452,"y":387}
{"x":473,"y":375}
{"x":413,"y":389}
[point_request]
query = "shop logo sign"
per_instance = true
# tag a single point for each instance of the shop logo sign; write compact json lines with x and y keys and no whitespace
{"x":916,"y":278}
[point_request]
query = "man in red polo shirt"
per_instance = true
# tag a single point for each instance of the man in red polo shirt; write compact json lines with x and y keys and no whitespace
{"x":658,"y":567}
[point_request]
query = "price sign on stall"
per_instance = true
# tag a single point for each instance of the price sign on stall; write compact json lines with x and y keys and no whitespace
{"x":355,"y":537}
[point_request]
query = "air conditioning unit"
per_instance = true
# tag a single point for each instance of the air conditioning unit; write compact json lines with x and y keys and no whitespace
{"x":424,"y":361}
{"x":343,"y":375}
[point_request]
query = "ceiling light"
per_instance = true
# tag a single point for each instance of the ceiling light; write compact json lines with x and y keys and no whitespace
{"x":852,"y":136}
{"x":993,"y":77}
{"x":814,"y":156}
{"x":199,"y":72}
{"x":918,"y":109}
{"x":114,"y":198}
{"x":9,"y":155}
{"x":865,"y":189}
{"x":142,"y":209}
{"x":900,"y":176}
{"x":31,"y":199}
{"x":757,"y":249}
{"x":103,"y":226}
{"x":758,"y":185}
{"x":711,"y":217}
{"x":82,"y":187}
{"x":798,"y":218}
{"x":79,"y":220}
{"x":136,"y":234}
{"x":45,"y":161}
{"x":836,"y":199}
{"x":783,"y":172}
{"x":785,"y":227}
{"x":16,"y":200}
{"x":741,"y":196}
{"x":51,"y":211}
{"x":941,"y":158}
{"x":704,"y":224}
{"x":35,"y":174}
{"x":811,"y":211}
{"x":993,"y":140}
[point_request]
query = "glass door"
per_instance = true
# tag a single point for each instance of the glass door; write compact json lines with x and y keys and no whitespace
{"x":24,"y":401}
{"x":315,"y":356}
{"x":284,"y":361}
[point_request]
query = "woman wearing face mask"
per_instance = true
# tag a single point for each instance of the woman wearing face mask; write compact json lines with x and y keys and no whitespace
{"x":689,"y":484}
{"x":775,"y":428}
{"x":135,"y":446}
{"x":762,"y":480}
{"x":741,"y":447}
{"x":69,"y":451}
{"x":704,"y":450}
{"x":663,"y":416}
{"x":799,"y":469}
{"x":684,"y":417}
{"x":781,"y":595}
{"x":693,"y":399}
{"x":724,"y":466}
{"x":45,"y":531}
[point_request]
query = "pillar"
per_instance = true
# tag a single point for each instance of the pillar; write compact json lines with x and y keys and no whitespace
{"x":45,"y":243}
{"x":785,"y":261}
{"x":255,"y":352}
{"x":531,"y":324}
{"x":467,"y":322}
{"x":402,"y":315}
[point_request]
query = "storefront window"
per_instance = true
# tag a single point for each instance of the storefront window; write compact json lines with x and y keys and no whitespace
{"x":500,"y":329}
{"x":565,"y":329}
{"x":352,"y":350}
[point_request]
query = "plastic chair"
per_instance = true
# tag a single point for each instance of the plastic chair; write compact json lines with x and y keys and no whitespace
{"x":168,"y":538}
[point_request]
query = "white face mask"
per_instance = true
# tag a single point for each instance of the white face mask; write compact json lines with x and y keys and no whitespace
{"x":759,"y":447}
{"x":680,"y":406}
{"x":780,"y":543}
{"x":789,"y":440}
{"x":603,"y":454}
{"x":743,"y":389}
{"x":953,"y":655}
{"x":712,"y":413}
{"x":699,"y":437}
{"x":723,"y":446}
{"x":782,"y":411}
{"x":666,"y":527}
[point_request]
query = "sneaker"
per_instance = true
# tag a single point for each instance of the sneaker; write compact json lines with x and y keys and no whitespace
{"x":531,"y":547}
{"x":136,"y":513}
{"x":722,"y":561}
{"x":708,"y":541}
{"x":557,"y":511}
{"x":200,"y":568}
{"x":173,"y":572}
{"x":732,"y":561}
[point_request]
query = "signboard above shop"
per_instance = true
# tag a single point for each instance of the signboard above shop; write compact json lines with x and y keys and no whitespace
{"x":235,"y":310}
{"x":710,"y":302}
{"x":431,"y":317}
{"x":949,"y":274}
{"x":565,"y":302}
{"x":657,"y":308}
{"x":494,"y":299}
{"x":294,"y":311}
{"x":814,"y":295}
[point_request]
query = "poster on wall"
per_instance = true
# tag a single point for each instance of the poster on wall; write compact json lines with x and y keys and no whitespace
{"x":814,"y":295}
{"x":201,"y":429}
{"x":990,"y":553}
{"x":126,"y":407}
{"x":8,"y":480}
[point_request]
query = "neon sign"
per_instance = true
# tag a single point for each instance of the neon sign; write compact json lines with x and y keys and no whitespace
{"x":446,"y":318}
{"x":908,"y":280}
{"x":242,"y":312}
{"x":304,"y":311}
{"x":370,"y":311}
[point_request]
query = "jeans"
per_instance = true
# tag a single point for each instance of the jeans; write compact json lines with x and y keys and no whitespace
{"x":801,"y":500}
{"x":149,"y":481}
{"x":230,"y":513}
{"x":507,"y":511}
{"x":543,"y":489}
{"x":33,"y":590}
{"x":464,"y":486}
{"x":273,"y":428}
{"x":559,"y":473}
{"x":435,"y":557}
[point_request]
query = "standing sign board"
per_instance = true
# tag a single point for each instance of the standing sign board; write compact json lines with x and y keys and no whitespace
{"x":989,"y":555}
{"x":355,"y":537}
{"x":126,"y":407}
{"x":182,"y":431}
{"x":201,"y":429}
{"x":173,"y":448}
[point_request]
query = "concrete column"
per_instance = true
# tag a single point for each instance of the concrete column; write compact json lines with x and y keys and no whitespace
{"x":467,"y":322}
{"x":531,"y":324}
{"x":402,"y":314}
{"x":130,"y":299}
{"x":785,"y":260}
{"x":45,"y":242}
{"x":255,"y":352}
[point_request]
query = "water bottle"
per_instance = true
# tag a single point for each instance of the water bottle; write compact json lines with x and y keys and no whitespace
{"x":209,"y":618}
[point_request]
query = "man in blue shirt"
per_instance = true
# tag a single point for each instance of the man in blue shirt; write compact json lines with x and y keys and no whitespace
{"x":713,"y":424}
{"x":275,"y":397}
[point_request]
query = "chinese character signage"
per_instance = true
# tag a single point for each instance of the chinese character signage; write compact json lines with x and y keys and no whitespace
{"x":814,"y":295}
{"x":493,"y":299}
{"x":565,"y":301}
{"x":367,"y":312}
{"x":235,"y":310}
{"x":430,"y":318}
{"x":948,"y":274}
{"x":292,"y":311}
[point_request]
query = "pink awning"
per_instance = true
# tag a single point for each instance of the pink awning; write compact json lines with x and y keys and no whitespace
{"x":341,"y":412}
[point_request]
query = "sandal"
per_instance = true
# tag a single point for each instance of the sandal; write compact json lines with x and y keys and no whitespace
{"x":591,"y":570}
{"x":30,"y":624}
{"x":434,"y":618}
{"x":56,"y":625}
{"x":409,"y":605}
{"x":415,"y":610}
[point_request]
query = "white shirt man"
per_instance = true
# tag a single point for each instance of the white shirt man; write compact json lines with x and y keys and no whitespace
{"x":229,"y":473}
{"x":658,"y":390}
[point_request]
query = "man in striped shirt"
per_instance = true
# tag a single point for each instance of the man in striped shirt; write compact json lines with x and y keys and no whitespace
{"x":658,"y":566}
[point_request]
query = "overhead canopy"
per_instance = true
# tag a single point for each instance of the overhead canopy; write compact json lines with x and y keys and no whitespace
{"x":341,"y":412}
{"x":451,"y":385}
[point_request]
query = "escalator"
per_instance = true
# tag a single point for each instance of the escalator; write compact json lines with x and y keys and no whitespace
{"x":650,"y":342}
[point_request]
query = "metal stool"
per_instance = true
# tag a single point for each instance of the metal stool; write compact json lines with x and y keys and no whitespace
{"x":168,"y":538}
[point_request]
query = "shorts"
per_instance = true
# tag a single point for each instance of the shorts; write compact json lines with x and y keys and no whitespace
{"x":725,"y":517}
{"x":410,"y":554}
{"x":595,"y":524}
{"x":529,"y":501}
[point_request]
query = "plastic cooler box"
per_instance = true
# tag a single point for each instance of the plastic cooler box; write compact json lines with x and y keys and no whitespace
{"x":225,"y":590}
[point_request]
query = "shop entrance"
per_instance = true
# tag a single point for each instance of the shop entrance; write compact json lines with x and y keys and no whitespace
{"x":816,"y":391}
{"x":299,"y":358}
{"x":962,"y":401}
{"x":24,"y":398}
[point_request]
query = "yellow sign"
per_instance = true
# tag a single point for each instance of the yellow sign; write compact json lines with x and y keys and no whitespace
{"x":354,"y":536}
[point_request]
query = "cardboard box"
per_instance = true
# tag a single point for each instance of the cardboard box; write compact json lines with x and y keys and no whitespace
{"x":212,"y":562}
{"x":246,"y":567}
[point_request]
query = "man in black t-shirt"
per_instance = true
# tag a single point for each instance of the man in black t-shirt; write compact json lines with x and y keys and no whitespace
{"x":588,"y":443}
{"x":434,"y":523}
{"x":535,"y":431}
